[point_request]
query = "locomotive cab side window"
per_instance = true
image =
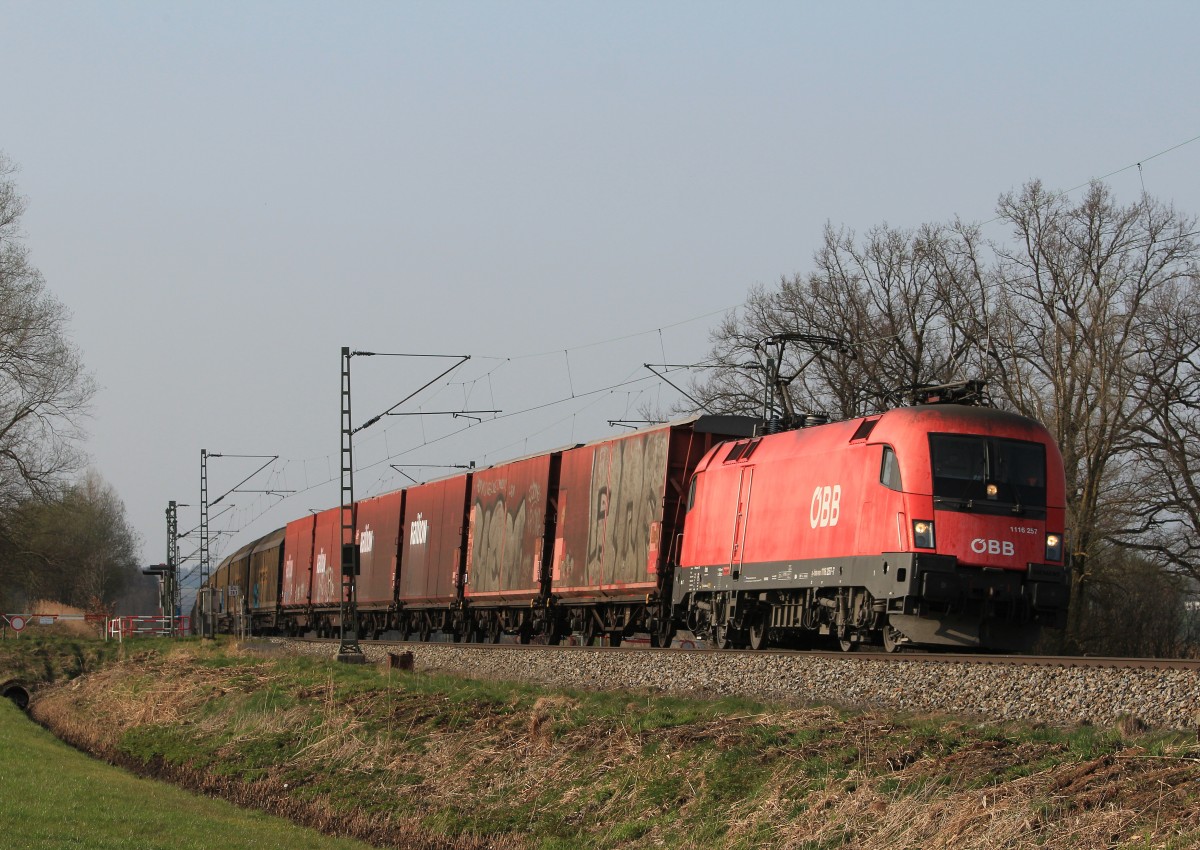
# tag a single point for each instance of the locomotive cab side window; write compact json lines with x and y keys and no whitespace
{"x":889,"y":470}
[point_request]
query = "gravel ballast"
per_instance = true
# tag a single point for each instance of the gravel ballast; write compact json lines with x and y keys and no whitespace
{"x":1163,"y":698}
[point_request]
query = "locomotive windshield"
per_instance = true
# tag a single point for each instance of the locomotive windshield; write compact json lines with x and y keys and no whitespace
{"x":987,"y":474}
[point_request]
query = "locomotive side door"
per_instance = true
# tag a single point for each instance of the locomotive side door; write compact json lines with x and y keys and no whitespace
{"x":741,"y":516}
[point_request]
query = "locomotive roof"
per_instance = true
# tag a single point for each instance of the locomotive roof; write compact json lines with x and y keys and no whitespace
{"x":964,"y":414}
{"x":901,"y":425}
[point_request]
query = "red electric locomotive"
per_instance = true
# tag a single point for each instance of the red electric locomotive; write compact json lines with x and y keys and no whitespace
{"x":927,"y":525}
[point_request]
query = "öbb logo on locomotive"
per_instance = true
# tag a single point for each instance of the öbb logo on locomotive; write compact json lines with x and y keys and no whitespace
{"x":690,"y":527}
{"x":992,"y":547}
{"x":826,"y":506}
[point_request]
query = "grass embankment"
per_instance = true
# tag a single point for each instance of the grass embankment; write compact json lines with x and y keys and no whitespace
{"x":38,"y":657}
{"x":53,"y":797}
{"x":432,"y":761}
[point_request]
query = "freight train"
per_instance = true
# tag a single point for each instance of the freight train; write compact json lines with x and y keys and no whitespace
{"x":924,"y":526}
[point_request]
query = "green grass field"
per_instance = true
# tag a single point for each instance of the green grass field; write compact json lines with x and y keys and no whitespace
{"x":53,"y":797}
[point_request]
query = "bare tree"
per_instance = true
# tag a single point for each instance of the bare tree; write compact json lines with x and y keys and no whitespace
{"x":44,"y":390}
{"x":1085,"y":337}
{"x":1163,"y":520}
{"x":894,"y":298}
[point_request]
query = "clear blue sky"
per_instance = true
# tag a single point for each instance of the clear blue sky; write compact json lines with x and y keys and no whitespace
{"x":225,"y":194}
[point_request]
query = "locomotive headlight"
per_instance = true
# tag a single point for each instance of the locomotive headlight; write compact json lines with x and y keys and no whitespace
{"x":992,"y":490}
{"x":923,"y":534}
{"x":1053,"y":547}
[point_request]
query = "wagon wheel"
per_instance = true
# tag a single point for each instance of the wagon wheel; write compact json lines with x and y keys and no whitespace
{"x":846,"y":642}
{"x":757,"y":633}
{"x":662,"y":631}
{"x":722,"y":636}
{"x":493,"y":628}
{"x":425,"y":629}
{"x":893,"y":639}
{"x":554,"y":631}
{"x":591,"y":629}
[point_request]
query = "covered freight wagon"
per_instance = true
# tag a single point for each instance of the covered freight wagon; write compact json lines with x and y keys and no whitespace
{"x":620,"y":507}
{"x":377,"y":532}
{"x":510,"y":524}
{"x":266,"y":561}
{"x":326,"y":590}
{"x":297,"y":571}
{"x":433,"y":535}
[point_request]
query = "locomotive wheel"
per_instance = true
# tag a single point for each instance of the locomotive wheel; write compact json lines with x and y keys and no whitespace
{"x":757,"y":633}
{"x":892,"y":641}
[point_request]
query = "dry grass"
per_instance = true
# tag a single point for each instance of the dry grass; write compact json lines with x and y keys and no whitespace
{"x":65,"y":628}
{"x":422,"y":765}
